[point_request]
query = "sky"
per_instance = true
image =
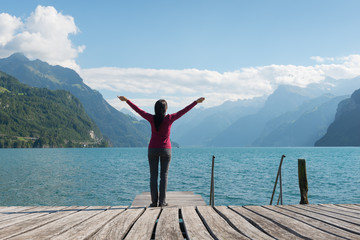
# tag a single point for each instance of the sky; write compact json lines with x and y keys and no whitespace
{"x":181,"y":50}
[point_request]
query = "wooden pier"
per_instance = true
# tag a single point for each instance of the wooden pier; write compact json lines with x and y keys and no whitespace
{"x":172,"y":198}
{"x":322,"y":221}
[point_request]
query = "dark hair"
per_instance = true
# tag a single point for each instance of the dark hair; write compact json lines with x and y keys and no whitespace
{"x":160,"y":110}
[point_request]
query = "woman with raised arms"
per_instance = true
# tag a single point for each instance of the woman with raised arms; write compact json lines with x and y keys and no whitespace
{"x":159,"y":146}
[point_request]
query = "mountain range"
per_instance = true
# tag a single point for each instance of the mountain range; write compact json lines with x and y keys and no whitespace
{"x":122,"y":130}
{"x":200,"y":125}
{"x":302,"y":126}
{"x":290,"y":116}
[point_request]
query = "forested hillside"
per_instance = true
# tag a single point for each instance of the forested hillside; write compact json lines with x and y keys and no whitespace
{"x":38,"y":117}
{"x":122,"y":130}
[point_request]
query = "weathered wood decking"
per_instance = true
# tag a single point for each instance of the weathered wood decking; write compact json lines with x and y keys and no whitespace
{"x":172,"y":198}
{"x":340,"y":221}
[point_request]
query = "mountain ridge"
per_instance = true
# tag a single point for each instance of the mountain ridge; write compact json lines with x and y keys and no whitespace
{"x":302,"y":126}
{"x":345,"y":129}
{"x":122,"y":130}
{"x":244,"y":131}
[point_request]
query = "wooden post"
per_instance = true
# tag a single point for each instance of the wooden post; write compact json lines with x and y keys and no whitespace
{"x":303,"y":184}
{"x":212,"y":186}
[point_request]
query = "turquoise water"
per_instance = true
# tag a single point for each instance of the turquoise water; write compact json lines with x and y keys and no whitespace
{"x":114,"y":176}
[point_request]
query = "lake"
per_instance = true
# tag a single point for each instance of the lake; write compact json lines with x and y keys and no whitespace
{"x":114,"y":176}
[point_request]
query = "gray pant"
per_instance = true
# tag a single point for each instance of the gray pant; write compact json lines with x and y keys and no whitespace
{"x":154,"y":155}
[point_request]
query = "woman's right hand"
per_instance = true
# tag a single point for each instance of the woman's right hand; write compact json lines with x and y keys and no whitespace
{"x":200,"y":100}
{"x":122,"y":98}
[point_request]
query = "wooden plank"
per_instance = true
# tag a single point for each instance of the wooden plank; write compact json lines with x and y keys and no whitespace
{"x":301,"y":228}
{"x":168,"y":226}
{"x":89,"y":227}
{"x":119,"y":226}
{"x":194,"y":227}
{"x":314,"y":222}
{"x":168,"y":194}
{"x":27,"y":209}
{"x":194,"y":197}
{"x":241,"y":224}
{"x":268,"y":226}
{"x":351,"y":206}
{"x":172,"y":198}
{"x":339,"y":223}
{"x":345,"y":208}
{"x":11,"y":209}
{"x":9,"y":214}
{"x":14,"y":209}
{"x":181,"y":193}
{"x":34,"y":221}
{"x":144,"y":226}
{"x":340,"y":210}
{"x":217,"y":225}
{"x":183,"y":198}
{"x":171,"y":194}
{"x":336,"y":215}
{"x":4,"y":207}
{"x":54,"y":228}
{"x":37,"y":212}
{"x":171,"y":201}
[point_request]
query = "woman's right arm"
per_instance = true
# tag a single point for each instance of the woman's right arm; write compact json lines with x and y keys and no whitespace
{"x":141,"y":112}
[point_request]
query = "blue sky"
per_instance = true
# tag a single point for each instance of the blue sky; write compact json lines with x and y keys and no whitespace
{"x":179,"y":50}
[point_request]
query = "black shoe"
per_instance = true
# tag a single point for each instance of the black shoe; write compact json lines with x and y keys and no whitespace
{"x":153,"y":205}
{"x":163,"y":204}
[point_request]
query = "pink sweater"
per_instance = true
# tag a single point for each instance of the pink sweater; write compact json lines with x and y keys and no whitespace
{"x":161,"y":138}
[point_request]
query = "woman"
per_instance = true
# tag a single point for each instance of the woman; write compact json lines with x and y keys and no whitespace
{"x":159,"y":145}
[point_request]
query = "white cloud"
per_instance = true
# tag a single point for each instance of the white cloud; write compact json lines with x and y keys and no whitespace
{"x":317,"y":59}
{"x":184,"y":84}
{"x":8,"y":26}
{"x":43,"y":35}
{"x":347,"y":67}
{"x":322,"y":59}
{"x":181,"y":86}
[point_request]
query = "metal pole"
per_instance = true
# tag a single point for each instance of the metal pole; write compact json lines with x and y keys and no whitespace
{"x":277,"y":176}
{"x":280,"y":199}
{"x":281,"y":192}
{"x":212,"y":187}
